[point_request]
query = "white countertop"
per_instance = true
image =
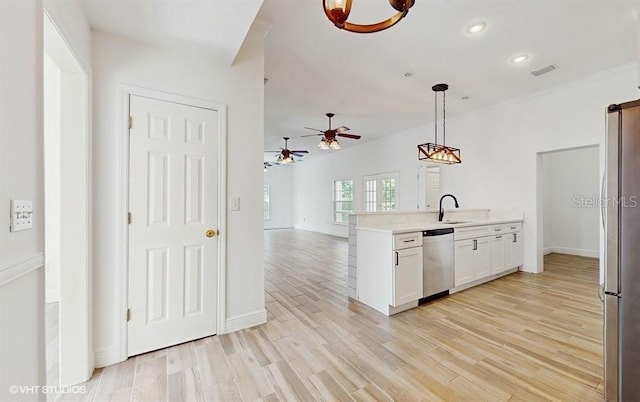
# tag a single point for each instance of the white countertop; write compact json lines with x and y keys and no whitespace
{"x":397,"y":228}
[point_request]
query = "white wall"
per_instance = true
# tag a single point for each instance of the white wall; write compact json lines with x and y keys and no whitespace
{"x":66,"y":42}
{"x":52,"y":178}
{"x":313,"y":180}
{"x":499,"y":152}
{"x":280,"y":181}
{"x":21,"y":177}
{"x":571,"y":211}
{"x":120,"y":61}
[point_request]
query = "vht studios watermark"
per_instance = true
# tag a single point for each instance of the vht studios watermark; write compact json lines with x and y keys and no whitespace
{"x":47,"y":389}
{"x":593,"y":201}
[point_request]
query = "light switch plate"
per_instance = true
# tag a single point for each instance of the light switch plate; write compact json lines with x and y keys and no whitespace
{"x":21,"y":215}
{"x":235,"y":204}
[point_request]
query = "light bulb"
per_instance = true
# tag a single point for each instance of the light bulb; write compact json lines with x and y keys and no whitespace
{"x":323,"y":144}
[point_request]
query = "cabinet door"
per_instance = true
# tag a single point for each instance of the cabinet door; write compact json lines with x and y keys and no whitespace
{"x":464,"y":271}
{"x":513,"y":250}
{"x":407,"y":276}
{"x":482,"y":257}
{"x":498,"y":253}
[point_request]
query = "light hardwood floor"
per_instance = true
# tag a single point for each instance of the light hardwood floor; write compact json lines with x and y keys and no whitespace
{"x":523,"y":337}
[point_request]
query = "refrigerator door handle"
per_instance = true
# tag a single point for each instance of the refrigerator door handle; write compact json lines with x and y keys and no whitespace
{"x":602,"y":198}
{"x":611,"y":207}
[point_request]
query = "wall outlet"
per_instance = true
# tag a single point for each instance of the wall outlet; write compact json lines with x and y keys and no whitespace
{"x":21,"y":215}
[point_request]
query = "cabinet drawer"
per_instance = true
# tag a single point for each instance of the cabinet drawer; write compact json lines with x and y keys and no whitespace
{"x":471,"y":232}
{"x":506,"y":228}
{"x":407,"y":240}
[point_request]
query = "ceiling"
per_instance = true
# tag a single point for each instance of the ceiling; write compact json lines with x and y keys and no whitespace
{"x":314,"y":68}
{"x":215,"y":26}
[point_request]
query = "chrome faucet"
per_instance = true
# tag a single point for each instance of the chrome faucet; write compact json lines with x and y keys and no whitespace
{"x":441,"y":211}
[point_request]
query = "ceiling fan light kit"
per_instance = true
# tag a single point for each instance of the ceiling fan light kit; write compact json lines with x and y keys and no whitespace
{"x":338,"y":12}
{"x":285,"y":155}
{"x":329,"y":140}
{"x":432,"y":151}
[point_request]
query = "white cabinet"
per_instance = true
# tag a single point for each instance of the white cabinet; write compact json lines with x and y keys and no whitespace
{"x":498,"y":249}
{"x":407,"y":276}
{"x":513,"y":250}
{"x":389,"y":270}
{"x":482,"y":251}
{"x":472,"y":260}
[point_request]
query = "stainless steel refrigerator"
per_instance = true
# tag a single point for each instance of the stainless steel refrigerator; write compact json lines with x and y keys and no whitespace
{"x":621,"y":220}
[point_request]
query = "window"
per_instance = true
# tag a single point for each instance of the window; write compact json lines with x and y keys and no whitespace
{"x":267,"y":209}
{"x":342,"y":200}
{"x":380,"y":192}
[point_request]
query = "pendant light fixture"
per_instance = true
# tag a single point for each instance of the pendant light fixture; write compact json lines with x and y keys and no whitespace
{"x":338,"y":12}
{"x":432,"y":151}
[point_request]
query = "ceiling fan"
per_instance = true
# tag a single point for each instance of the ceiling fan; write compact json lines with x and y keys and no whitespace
{"x":329,"y":140}
{"x":285,"y":155}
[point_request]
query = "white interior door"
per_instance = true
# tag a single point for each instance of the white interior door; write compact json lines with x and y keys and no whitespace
{"x":173,"y":172}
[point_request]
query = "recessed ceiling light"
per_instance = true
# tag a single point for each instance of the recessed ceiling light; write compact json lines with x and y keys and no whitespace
{"x":476,"y":27}
{"x":519,"y":58}
{"x":408,"y":74}
{"x":465,"y":98}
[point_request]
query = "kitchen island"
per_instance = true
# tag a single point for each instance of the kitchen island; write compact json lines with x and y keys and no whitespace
{"x":390,"y":272}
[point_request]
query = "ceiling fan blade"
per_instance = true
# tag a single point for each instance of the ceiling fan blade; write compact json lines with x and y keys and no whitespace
{"x":342,"y":129}
{"x":310,"y":135}
{"x":299,"y":152}
{"x":314,"y":129}
{"x":353,"y":136}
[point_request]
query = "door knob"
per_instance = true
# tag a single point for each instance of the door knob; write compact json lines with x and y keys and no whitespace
{"x":212,"y":233}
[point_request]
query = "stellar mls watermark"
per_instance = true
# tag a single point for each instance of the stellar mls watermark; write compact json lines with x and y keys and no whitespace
{"x":47,"y":389}
{"x":594,"y":201}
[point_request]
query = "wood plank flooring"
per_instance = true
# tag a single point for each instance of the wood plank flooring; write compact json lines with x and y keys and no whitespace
{"x":523,"y":337}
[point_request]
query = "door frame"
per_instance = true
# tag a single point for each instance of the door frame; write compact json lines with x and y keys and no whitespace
{"x":378,"y":177}
{"x":123,"y":289}
{"x":76,"y":322}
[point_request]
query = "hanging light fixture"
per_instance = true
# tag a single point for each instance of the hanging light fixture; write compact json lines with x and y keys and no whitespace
{"x":338,"y":12}
{"x":324,"y":144}
{"x":432,"y":151}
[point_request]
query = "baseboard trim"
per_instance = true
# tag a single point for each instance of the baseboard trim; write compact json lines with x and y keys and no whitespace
{"x":547,"y":250}
{"x":246,"y":321}
{"x":106,"y":357}
{"x":574,"y":251}
{"x":529,"y":268}
{"x":14,"y":270}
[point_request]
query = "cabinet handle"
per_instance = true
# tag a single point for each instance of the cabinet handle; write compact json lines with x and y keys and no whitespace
{"x":499,"y":237}
{"x":475,"y":244}
{"x":497,"y":229}
{"x":515,"y":237}
{"x":396,"y":258}
{"x":514,"y":227}
{"x":409,"y":241}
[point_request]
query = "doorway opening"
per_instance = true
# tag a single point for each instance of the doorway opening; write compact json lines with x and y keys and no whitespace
{"x":568,"y":202}
{"x":67,"y":208}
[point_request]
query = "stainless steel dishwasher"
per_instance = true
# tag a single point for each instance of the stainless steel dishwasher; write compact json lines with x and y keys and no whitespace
{"x":437,"y":264}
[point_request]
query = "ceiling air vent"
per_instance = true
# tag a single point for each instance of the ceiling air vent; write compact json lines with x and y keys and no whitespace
{"x":543,"y":70}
